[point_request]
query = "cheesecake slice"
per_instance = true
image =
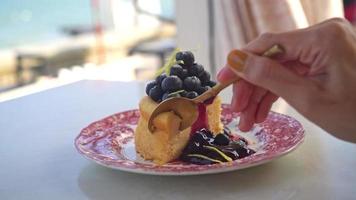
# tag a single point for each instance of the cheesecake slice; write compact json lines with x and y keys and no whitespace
{"x":180,"y":77}
{"x":166,"y":143}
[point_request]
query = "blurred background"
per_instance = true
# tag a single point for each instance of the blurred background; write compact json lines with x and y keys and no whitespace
{"x":49,"y":43}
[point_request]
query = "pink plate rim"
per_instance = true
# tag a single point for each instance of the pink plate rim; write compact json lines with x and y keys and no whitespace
{"x":279,"y":135}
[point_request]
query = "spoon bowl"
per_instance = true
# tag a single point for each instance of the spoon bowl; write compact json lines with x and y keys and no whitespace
{"x":185,"y":108}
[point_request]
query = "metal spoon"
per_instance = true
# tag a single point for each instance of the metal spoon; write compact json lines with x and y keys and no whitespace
{"x":187,"y":109}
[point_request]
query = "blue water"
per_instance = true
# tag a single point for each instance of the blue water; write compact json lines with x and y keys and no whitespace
{"x":29,"y":21}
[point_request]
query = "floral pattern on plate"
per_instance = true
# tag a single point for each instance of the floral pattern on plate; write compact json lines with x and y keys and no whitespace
{"x":109,"y":142}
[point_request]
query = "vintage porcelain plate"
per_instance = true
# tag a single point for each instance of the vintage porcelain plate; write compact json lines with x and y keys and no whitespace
{"x":109,"y":142}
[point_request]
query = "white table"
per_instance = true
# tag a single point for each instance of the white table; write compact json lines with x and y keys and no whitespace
{"x":39,"y":161}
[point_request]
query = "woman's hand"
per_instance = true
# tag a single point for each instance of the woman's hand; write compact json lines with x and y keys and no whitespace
{"x":316,"y":75}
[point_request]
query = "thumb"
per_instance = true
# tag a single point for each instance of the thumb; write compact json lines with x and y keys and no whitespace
{"x":269,"y":74}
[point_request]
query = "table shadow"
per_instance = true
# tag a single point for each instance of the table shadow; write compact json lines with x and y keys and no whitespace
{"x":98,"y":182}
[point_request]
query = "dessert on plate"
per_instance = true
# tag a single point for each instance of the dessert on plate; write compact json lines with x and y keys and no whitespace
{"x":206,"y":141}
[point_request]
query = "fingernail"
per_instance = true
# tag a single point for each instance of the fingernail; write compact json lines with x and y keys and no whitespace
{"x":236,"y":60}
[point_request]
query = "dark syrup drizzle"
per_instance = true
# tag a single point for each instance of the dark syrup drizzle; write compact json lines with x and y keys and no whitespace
{"x":202,"y":150}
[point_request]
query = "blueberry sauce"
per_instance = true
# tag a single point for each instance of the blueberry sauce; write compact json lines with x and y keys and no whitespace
{"x":205,"y":148}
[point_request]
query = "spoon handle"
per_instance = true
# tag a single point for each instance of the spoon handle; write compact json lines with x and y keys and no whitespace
{"x":274,"y":50}
{"x":214,"y":90}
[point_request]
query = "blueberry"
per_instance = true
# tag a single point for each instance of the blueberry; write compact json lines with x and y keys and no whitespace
{"x":191,"y":95}
{"x":184,"y":74}
{"x":183,"y":93}
{"x":206,"y":132}
{"x":196,"y":142}
{"x":211,"y":83}
{"x":186,"y":56}
{"x":201,"y":90}
{"x":201,"y":138}
{"x":181,"y":64}
{"x":171,"y":84}
{"x":156,"y":93}
{"x":204,"y":77}
{"x":243,"y":152}
{"x":192,"y":83}
{"x":160,"y":78}
{"x":149,"y":86}
{"x":238,"y":144}
{"x":179,"y":56}
{"x":178,"y":71}
{"x":196,"y":69}
{"x":221,"y":139}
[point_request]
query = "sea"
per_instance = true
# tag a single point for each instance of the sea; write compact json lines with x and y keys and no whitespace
{"x":29,"y":21}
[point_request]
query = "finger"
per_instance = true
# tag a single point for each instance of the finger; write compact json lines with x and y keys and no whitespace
{"x":242,"y":93}
{"x":265,"y":106}
{"x":248,"y":117}
{"x":271,"y":75}
{"x":262,"y":43}
{"x":297,"y":67}
{"x":225,"y":74}
{"x":288,"y":41}
{"x":241,"y":90}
